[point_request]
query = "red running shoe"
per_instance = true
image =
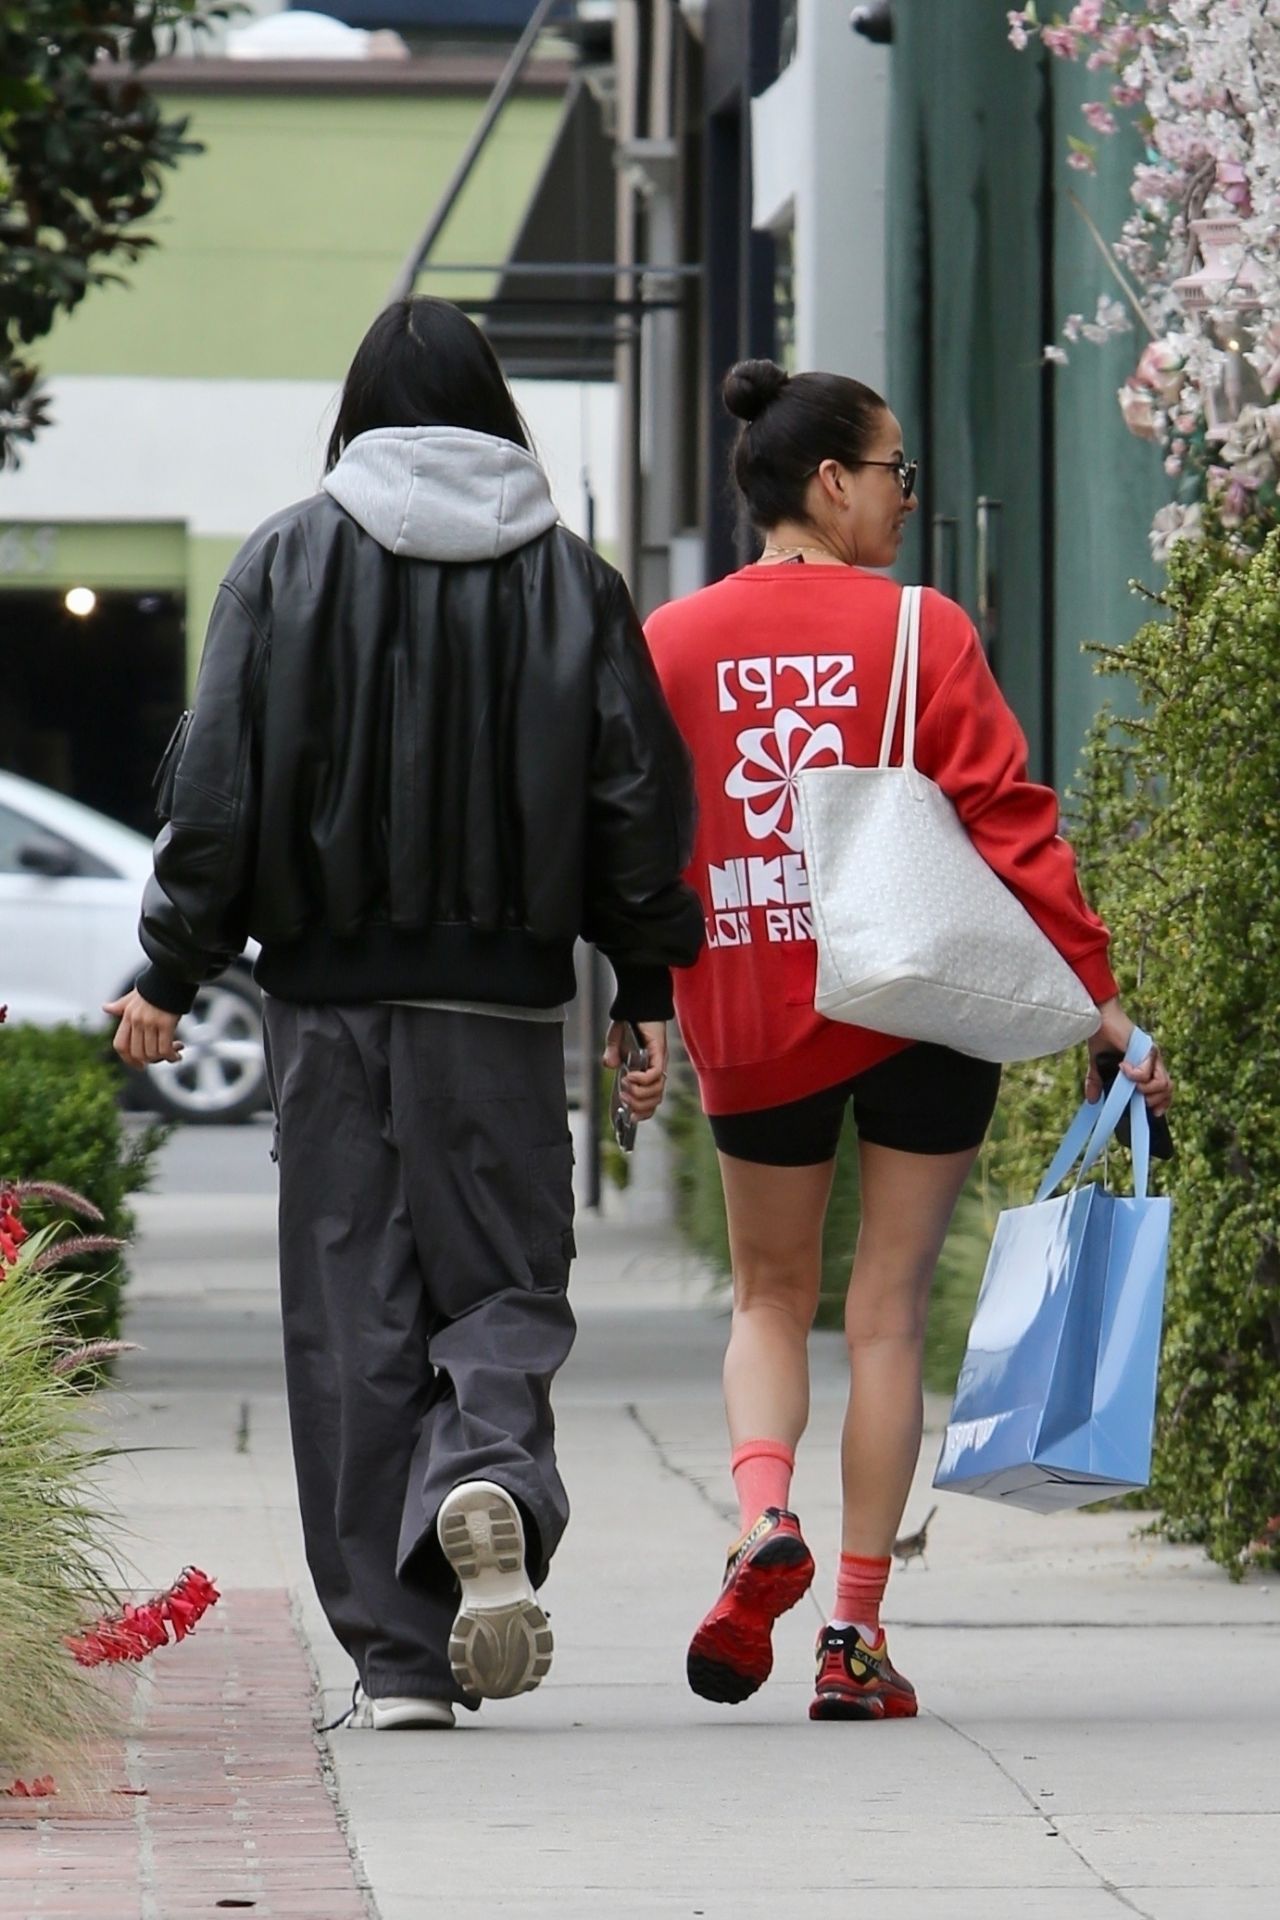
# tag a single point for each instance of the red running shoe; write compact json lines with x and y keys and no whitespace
{"x":858,"y":1682}
{"x":731,"y":1654}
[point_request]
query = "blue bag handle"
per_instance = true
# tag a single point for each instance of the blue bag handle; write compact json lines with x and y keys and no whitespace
{"x":1096,"y":1121}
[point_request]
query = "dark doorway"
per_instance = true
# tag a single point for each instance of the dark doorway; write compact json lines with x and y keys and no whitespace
{"x":88,"y":701}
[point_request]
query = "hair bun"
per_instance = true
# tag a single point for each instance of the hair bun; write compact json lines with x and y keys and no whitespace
{"x":751,"y":386}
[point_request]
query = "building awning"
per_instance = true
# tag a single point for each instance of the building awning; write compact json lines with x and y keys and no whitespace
{"x":550,"y":307}
{"x":427,"y":16}
{"x":554,"y":311}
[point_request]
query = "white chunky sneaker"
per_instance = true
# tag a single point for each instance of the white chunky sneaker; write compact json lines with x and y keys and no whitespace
{"x":397,"y":1710}
{"x":501,"y":1643}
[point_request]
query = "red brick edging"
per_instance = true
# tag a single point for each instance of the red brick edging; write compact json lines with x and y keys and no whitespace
{"x":217,"y":1803}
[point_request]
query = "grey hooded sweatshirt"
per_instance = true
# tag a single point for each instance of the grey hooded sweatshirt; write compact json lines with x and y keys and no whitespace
{"x":443,"y":493}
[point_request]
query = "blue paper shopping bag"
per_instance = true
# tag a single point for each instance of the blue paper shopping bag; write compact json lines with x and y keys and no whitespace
{"x":1055,"y":1402}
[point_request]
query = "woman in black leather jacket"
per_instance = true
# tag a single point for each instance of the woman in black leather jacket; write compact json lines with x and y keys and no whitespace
{"x":427,"y":752}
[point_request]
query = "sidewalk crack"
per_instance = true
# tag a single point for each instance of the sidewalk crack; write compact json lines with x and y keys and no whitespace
{"x":723,"y":1509}
{"x":1051,"y":1825}
{"x":720,"y":1508}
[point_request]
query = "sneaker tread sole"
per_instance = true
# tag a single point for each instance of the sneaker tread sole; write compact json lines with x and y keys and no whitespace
{"x":731,"y":1654}
{"x":864,"y":1706}
{"x":501,"y":1643}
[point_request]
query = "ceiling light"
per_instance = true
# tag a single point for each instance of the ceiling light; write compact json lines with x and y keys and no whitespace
{"x":81,"y":601}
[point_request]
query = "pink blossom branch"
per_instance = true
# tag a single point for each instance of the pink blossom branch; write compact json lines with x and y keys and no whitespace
{"x":1108,"y":256}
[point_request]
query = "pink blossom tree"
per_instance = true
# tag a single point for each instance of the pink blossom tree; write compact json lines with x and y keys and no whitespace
{"x":1197,"y":257}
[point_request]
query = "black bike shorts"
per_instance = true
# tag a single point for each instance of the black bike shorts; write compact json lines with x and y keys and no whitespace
{"x":925,"y":1099}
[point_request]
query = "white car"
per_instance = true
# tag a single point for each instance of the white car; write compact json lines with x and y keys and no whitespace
{"x":71,"y":885}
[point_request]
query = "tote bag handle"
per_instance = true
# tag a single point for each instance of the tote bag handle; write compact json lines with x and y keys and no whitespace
{"x":906,"y":660}
{"x":1095,"y":1123}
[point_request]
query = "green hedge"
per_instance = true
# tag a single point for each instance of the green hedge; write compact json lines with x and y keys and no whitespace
{"x":1177,"y":825}
{"x":60,"y":1120}
{"x":701,"y":1219}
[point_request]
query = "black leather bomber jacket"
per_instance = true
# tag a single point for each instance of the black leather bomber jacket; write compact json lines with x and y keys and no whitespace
{"x":413,"y":779}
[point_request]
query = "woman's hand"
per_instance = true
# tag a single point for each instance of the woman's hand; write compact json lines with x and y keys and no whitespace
{"x":642,"y":1092}
{"x":1150,"y":1076}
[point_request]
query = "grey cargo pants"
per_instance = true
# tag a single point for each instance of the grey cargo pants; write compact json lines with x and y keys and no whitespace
{"x":426,"y":1231}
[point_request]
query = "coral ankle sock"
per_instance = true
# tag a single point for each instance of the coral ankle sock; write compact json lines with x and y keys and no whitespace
{"x":762,"y":1471}
{"x":860,"y":1586}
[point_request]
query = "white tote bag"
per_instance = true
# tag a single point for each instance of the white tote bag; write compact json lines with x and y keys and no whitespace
{"x":916,"y":936}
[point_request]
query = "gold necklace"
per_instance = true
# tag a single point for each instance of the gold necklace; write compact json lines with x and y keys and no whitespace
{"x":768,"y":552}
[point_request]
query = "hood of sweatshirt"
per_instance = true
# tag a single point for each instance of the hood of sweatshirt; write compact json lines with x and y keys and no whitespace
{"x":443,"y":493}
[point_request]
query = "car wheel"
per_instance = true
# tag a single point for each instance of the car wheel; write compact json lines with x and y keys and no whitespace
{"x":222,"y":1075}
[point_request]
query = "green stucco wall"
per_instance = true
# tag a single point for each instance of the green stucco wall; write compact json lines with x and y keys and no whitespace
{"x":207,"y":563}
{"x":279,"y":243}
{"x":103,"y":555}
{"x":275,"y":247}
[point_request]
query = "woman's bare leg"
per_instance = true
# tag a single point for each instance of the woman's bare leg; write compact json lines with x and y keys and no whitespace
{"x":775,"y":1235}
{"x":907,"y":1203}
{"x":775,"y":1238}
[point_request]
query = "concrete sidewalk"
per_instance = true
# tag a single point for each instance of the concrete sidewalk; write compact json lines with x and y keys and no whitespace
{"x":1101,"y":1713}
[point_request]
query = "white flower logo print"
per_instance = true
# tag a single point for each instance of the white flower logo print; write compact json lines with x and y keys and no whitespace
{"x":765,"y":777}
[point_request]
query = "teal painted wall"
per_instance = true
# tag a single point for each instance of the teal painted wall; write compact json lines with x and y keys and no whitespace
{"x":278,"y":244}
{"x":983,"y":266}
{"x":1109,"y":484}
{"x":964,"y":320}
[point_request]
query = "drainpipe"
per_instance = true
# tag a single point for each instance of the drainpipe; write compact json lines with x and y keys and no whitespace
{"x":627,"y":46}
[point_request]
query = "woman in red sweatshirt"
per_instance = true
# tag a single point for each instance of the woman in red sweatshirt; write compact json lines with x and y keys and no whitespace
{"x":782,"y":666}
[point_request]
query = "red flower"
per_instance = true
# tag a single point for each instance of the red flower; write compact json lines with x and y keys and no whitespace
{"x":12,"y":1231}
{"x":187,"y":1600}
{"x":135,"y":1632}
{"x":40,"y":1789}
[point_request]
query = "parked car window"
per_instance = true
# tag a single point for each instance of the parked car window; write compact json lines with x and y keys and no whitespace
{"x":17,"y":830}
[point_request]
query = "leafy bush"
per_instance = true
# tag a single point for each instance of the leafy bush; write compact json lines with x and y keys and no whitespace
{"x":701,"y":1219}
{"x":83,"y":149}
{"x":60,"y":1120}
{"x":1177,"y":825}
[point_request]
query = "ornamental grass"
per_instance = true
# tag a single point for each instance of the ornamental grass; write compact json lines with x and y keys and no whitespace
{"x":56,"y":1556}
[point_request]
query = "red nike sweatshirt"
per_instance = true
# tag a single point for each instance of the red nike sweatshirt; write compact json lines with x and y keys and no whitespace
{"x":780,"y":668}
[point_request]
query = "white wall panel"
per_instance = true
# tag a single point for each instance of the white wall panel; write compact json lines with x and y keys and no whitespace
{"x":223,"y":455}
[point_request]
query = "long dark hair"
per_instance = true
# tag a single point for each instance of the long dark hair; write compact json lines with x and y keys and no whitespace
{"x":793,"y":422}
{"x":423,"y":363}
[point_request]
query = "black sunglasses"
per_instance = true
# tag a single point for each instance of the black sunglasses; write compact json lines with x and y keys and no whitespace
{"x":906,"y":471}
